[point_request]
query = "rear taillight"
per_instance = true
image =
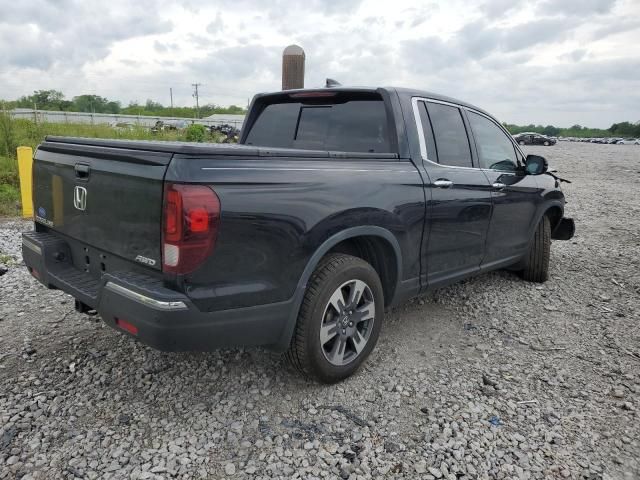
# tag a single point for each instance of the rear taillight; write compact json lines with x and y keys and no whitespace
{"x":191,"y":217}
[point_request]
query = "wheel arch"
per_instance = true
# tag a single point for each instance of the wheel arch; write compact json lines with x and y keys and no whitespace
{"x":377,"y":252}
{"x":367,"y":238}
{"x":555,"y":213}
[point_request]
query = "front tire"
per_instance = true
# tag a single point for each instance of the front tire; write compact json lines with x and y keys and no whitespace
{"x":521,"y":142}
{"x":537,"y":259}
{"x":546,"y":144}
{"x":339,"y":320}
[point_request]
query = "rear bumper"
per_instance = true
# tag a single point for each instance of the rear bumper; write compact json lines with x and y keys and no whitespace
{"x":565,"y":229}
{"x":163,"y":319}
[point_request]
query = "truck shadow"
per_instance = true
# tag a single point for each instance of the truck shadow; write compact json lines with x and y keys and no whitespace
{"x":101,"y":379}
{"x":422,"y":331}
{"x":121,"y":382}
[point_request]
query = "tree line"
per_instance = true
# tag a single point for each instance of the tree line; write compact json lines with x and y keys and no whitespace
{"x":622,"y":129}
{"x":55,"y":100}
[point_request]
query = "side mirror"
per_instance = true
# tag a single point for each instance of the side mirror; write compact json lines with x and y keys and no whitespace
{"x":536,"y":165}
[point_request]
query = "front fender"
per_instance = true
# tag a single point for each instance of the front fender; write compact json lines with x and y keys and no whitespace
{"x":552,"y":199}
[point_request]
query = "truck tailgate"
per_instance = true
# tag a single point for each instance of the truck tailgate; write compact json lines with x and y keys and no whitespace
{"x":107,"y":197}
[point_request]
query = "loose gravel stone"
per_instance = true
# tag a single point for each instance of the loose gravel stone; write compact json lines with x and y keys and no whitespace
{"x":493,"y":377}
{"x":230,"y":469}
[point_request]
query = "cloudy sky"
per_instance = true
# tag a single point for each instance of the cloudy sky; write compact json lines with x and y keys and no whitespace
{"x":544,"y":61}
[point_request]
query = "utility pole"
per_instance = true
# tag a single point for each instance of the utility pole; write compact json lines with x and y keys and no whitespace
{"x":195,"y":95}
{"x":171,"y":94}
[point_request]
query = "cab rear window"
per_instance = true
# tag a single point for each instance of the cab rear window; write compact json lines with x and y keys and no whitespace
{"x":358,"y":125}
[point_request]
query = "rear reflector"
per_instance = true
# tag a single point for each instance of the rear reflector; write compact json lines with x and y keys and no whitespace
{"x":126,"y":326}
{"x":35,"y":273}
{"x":191,"y":218}
{"x":171,"y":255}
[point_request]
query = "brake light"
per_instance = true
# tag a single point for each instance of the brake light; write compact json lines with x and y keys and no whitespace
{"x":199,"y":220}
{"x":191,"y":218}
{"x":312,"y":94}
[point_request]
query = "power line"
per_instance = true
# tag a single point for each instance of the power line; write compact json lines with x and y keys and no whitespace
{"x":94,"y":83}
{"x":195,"y":94}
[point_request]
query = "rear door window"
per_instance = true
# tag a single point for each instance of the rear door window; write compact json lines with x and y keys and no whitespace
{"x":427,"y":131}
{"x":352,"y":126}
{"x":452,"y":143}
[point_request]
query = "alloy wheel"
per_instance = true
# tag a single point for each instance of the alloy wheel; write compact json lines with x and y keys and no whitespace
{"x":347,"y":322}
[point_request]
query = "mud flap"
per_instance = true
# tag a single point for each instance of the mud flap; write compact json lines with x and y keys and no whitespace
{"x":564,"y":230}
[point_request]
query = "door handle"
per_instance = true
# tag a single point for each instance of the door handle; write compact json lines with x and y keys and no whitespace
{"x":443,"y":183}
{"x":498,"y":186}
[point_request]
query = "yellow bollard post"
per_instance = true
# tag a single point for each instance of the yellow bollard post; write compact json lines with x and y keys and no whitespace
{"x":25,"y":168}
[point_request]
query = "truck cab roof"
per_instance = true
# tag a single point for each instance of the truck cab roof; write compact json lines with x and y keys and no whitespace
{"x":400,"y":91}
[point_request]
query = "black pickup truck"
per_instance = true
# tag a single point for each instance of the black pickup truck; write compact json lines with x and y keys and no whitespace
{"x":336,"y":204}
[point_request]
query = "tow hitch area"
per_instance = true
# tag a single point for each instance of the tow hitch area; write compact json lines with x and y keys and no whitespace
{"x":84,"y":308}
{"x":565,"y":229}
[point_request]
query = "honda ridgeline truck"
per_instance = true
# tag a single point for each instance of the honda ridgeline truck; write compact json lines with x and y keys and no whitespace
{"x":336,"y":204}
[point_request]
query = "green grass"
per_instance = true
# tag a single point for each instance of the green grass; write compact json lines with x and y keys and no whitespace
{"x":9,"y":186}
{"x":6,"y":259}
{"x":14,"y":133}
{"x":8,"y":171}
{"x":9,"y":200}
{"x":30,"y":134}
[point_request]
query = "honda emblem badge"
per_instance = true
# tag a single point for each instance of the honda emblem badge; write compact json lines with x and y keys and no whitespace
{"x":80,"y":198}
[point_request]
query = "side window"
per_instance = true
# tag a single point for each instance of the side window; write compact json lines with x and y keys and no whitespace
{"x":452,"y":143}
{"x":495,"y":149}
{"x":428,"y":133}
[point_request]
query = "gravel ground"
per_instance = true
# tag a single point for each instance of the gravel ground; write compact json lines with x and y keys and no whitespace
{"x":490,"y":378}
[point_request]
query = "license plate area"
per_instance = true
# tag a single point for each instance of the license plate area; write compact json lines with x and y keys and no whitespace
{"x":91,"y":260}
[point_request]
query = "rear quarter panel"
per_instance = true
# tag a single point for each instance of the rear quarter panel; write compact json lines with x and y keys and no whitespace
{"x":276,"y":212}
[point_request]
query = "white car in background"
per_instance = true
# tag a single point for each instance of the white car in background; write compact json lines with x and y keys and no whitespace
{"x":629,"y":141}
{"x":122,"y":126}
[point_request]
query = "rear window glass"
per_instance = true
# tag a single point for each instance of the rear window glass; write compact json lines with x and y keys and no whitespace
{"x":353,"y":126}
{"x":313,"y":126}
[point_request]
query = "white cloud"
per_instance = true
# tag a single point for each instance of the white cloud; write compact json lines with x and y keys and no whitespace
{"x":536,"y":61}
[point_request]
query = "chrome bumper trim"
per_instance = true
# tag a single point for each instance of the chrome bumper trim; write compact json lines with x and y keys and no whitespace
{"x":138,"y":297}
{"x":32,"y":246}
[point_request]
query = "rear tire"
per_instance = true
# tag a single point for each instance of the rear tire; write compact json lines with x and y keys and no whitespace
{"x":337,"y":328}
{"x":521,"y":142}
{"x":537,"y":259}
{"x":546,"y":144}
